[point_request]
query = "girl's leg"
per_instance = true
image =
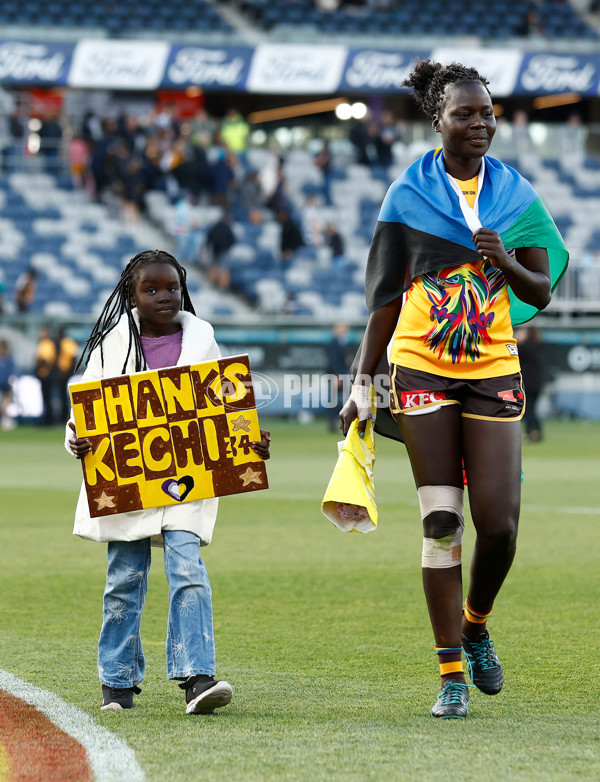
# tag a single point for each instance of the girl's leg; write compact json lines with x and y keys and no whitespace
{"x":121,"y":661}
{"x":433,"y":442}
{"x":492,"y":456}
{"x":190,"y":641}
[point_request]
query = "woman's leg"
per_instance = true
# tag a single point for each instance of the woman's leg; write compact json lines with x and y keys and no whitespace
{"x":433,"y":441}
{"x":492,"y":456}
{"x":190,"y":641}
{"x":121,"y":661}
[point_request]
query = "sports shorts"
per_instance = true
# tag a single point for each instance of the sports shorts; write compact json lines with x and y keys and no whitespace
{"x":413,"y":393}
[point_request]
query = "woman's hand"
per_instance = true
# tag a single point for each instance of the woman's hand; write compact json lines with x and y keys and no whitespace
{"x":357,"y":406}
{"x":262,"y":447}
{"x":80,"y":446}
{"x":489,"y":245}
{"x":528,"y":273}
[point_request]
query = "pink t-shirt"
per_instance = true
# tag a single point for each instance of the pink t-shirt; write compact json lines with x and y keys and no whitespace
{"x":162,"y":351}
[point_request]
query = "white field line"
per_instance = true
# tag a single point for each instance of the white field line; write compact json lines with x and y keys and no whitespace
{"x":581,"y":510}
{"x":110,"y":757}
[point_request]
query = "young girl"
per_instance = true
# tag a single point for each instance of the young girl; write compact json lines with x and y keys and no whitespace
{"x":468,"y":245}
{"x":149,"y":322}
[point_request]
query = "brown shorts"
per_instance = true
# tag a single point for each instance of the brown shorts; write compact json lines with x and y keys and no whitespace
{"x":491,"y":398}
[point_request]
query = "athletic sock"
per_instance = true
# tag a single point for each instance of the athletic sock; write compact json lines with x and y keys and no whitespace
{"x":473,"y":616}
{"x":450,"y":660}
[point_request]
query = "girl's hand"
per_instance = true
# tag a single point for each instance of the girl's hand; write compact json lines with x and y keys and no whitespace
{"x":262,"y":447}
{"x":80,"y":446}
{"x":489,"y":245}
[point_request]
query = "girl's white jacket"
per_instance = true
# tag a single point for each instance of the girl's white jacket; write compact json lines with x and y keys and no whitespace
{"x":197,"y":345}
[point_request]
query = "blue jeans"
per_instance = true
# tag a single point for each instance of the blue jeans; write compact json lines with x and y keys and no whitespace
{"x":190,"y":642}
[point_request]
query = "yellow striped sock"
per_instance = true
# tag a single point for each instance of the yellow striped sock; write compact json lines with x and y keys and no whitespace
{"x":455,"y":667}
{"x":474,"y":616}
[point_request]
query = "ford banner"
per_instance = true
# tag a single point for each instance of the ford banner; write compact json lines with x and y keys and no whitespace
{"x":207,"y":67}
{"x":378,"y":71}
{"x":544,"y":74}
{"x":42,"y":64}
{"x":119,"y":65}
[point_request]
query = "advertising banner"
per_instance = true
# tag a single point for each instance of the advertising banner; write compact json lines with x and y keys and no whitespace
{"x":544,"y":74}
{"x":119,"y":65}
{"x":291,"y":69}
{"x":376,"y":71}
{"x":499,"y":66}
{"x":207,"y":67}
{"x":34,"y":63}
{"x":171,"y":435}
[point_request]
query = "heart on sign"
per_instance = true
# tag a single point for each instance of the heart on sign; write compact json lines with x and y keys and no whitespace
{"x":178,"y":489}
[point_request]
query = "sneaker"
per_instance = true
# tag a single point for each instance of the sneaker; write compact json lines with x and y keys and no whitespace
{"x":484,"y":666}
{"x":452,"y":702}
{"x":118,"y":698}
{"x":203,"y":694}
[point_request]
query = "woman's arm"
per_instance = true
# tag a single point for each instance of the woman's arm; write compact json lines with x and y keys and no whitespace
{"x":528,"y":274}
{"x":380,"y":329}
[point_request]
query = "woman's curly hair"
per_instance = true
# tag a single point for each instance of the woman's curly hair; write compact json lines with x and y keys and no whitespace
{"x":429,"y":80}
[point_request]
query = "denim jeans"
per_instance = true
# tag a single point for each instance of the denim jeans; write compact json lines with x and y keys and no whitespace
{"x":190,"y":642}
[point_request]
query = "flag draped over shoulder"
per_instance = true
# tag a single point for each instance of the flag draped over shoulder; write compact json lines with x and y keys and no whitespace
{"x":421,"y":228}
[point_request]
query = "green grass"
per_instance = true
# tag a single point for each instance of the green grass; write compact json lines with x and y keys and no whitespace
{"x":324,"y":636}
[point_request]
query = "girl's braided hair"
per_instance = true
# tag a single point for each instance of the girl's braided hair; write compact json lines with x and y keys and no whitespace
{"x":429,"y":80}
{"x":119,"y":302}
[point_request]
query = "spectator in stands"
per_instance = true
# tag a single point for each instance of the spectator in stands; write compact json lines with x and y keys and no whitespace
{"x":78,"y":161}
{"x":25,"y":288}
{"x":219,"y":240}
{"x":531,"y":26}
{"x":529,"y":341}
{"x":291,"y":236}
{"x":129,"y":182}
{"x":521,"y":137}
{"x":279,"y":198}
{"x":192,"y":172}
{"x":66,"y":353}
{"x":364,"y":134}
{"x":17,"y":130}
{"x":234,"y":133}
{"x":187,"y":230}
{"x":51,"y":134}
{"x":339,"y":262}
{"x":388,"y":135}
{"x":203,"y":129}
{"x":101,"y":164}
{"x":8,"y":370}
{"x":45,"y":371}
{"x":313,"y":225}
{"x":222,"y":178}
{"x":323,"y":163}
{"x":250,"y":193}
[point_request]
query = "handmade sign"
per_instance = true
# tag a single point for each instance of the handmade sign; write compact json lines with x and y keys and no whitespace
{"x":167,"y":436}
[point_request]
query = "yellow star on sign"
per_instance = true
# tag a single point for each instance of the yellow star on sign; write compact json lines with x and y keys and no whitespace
{"x":250,"y":476}
{"x":104,"y":501}
{"x":241,"y":423}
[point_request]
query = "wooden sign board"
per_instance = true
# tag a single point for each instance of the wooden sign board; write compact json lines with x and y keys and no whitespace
{"x":167,"y":436}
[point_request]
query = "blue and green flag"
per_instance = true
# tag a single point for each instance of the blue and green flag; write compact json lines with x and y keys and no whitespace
{"x":421,"y":228}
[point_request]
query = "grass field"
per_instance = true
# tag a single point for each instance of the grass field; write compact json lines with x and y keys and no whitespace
{"x":324,"y":636}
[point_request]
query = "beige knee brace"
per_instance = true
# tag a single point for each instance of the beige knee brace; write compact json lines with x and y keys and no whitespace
{"x":447,"y":551}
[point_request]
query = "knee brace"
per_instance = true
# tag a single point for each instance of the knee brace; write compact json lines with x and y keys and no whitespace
{"x":442,"y":552}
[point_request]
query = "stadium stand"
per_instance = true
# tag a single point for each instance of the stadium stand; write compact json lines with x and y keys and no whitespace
{"x":504,"y":19}
{"x":117,"y":19}
{"x":79,"y":247}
